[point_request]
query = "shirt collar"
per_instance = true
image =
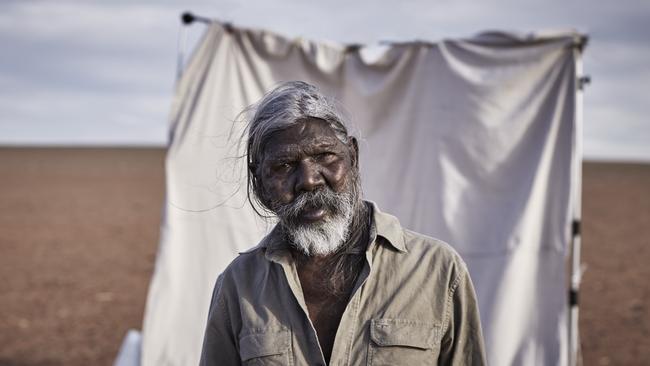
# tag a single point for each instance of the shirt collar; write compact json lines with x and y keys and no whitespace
{"x":384,"y":225}
{"x":388,"y":227}
{"x":275,"y":244}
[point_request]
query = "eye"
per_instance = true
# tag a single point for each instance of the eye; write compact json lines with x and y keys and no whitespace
{"x":282,"y":167}
{"x":326,"y":157}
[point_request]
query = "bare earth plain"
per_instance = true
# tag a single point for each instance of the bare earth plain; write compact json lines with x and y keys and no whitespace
{"x":79,"y":234}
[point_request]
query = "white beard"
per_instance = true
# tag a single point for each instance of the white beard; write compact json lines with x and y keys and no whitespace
{"x":322,"y":239}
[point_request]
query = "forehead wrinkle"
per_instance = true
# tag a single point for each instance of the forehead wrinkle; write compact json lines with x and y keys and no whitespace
{"x":307,"y":145}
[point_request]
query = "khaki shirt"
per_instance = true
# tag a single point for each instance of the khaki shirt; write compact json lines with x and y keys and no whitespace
{"x":413,"y":304}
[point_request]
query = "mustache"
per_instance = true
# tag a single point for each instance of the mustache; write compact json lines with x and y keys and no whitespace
{"x":322,"y":198}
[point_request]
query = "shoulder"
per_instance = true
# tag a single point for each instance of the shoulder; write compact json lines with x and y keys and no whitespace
{"x":426,"y":253}
{"x":254,"y":260}
{"x":420,"y":244}
{"x":240,"y":277}
{"x":246,"y":264}
{"x":434,"y":255}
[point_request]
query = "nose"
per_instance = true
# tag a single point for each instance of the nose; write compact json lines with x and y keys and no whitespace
{"x":309,"y":177}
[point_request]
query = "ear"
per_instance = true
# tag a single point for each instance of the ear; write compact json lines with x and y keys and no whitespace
{"x":254,"y":179}
{"x":354,"y":150}
{"x":252,"y":170}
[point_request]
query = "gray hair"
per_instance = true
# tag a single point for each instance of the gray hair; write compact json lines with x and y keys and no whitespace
{"x":289,"y":104}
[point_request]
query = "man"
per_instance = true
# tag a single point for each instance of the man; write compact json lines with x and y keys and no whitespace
{"x":336,"y":281}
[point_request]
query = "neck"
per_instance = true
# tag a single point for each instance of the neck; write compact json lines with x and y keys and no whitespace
{"x":339,"y":270}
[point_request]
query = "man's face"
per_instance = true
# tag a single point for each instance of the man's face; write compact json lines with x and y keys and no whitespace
{"x":307,"y":178}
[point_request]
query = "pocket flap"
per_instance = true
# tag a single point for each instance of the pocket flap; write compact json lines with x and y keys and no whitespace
{"x":264,"y":344}
{"x":402,"y":332}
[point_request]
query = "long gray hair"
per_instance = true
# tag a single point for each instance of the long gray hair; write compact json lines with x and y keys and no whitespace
{"x":288,"y":104}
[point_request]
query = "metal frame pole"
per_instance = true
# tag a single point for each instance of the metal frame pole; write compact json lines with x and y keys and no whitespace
{"x":180,"y":50}
{"x":187,"y":19}
{"x":576,"y":268}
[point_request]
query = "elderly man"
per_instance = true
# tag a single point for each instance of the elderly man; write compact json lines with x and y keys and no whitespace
{"x":336,"y":281}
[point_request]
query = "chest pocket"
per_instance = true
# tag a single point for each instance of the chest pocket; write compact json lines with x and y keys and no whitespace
{"x":266,"y":347}
{"x":403,"y":342}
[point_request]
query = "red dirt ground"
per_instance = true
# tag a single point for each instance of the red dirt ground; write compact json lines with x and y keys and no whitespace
{"x":79,"y":233}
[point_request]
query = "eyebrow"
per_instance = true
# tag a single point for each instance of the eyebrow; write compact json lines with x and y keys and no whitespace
{"x":288,"y":155}
{"x":328,"y":142}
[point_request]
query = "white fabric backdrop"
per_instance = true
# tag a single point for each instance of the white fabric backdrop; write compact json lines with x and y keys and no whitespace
{"x":470,"y":141}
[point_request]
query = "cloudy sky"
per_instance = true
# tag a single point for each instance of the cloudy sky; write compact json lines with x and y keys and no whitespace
{"x":102,"y":72}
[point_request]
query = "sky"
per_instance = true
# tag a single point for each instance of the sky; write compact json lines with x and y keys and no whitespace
{"x":102,"y":72}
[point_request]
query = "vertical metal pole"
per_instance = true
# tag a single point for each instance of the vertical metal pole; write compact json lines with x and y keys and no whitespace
{"x":181,"y":45}
{"x":576,"y":270}
{"x":187,"y":18}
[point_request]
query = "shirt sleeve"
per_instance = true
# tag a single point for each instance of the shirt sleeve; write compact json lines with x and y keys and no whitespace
{"x":219,"y":345}
{"x":462,"y":342}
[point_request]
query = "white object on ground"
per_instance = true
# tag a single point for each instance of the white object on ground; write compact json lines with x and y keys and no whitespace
{"x":129,"y":354}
